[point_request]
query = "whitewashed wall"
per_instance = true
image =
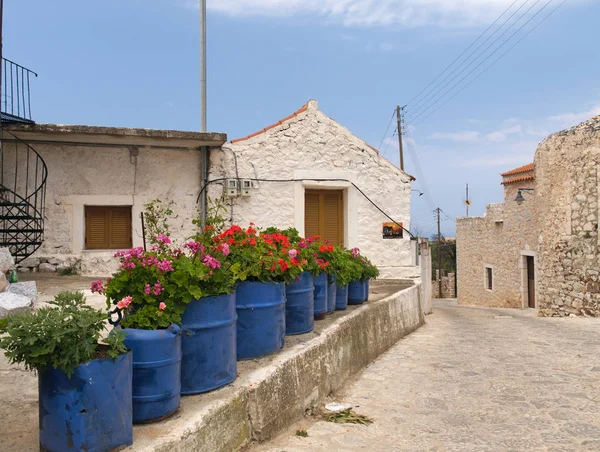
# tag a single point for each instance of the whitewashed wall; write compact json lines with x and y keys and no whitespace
{"x":311,"y":145}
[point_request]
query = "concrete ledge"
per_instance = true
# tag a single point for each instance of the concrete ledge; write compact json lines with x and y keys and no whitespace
{"x":266,"y":399}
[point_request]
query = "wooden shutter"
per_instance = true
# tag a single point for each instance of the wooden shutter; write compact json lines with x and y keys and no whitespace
{"x":107,"y":227}
{"x":119,"y":223}
{"x":324,"y":215}
{"x":332,"y":213}
{"x":96,"y":231}
{"x":311,"y":214}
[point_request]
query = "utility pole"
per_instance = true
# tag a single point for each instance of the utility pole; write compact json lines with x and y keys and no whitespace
{"x":467,"y":202}
{"x":439,"y":253}
{"x":203,"y":65}
{"x":399,"y":117}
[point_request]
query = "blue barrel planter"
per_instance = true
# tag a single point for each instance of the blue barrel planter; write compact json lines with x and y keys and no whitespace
{"x":331,"y":293}
{"x":156,"y":372}
{"x":89,"y":411}
{"x":341,"y":298}
{"x":356,"y":292}
{"x":300,"y":305}
{"x":320,"y":296}
{"x":261,"y":318}
{"x":366,"y":283}
{"x":208,"y":345}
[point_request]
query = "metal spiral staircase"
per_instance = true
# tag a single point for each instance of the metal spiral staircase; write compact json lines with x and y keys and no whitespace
{"x":23,"y":172}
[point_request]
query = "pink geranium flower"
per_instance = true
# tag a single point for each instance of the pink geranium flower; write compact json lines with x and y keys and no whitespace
{"x":97,"y":287}
{"x":162,"y":306}
{"x":211,"y":262}
{"x":124,"y":302}
{"x":165,"y":265}
{"x":292,"y":253}
{"x":163,"y":239}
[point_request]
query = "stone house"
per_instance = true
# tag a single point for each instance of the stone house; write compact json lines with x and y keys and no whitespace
{"x":496,"y":253}
{"x":309,"y":172}
{"x":98,"y":180}
{"x":545,"y":251}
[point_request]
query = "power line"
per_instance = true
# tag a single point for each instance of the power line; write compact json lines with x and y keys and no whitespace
{"x":496,"y":60}
{"x":465,"y":51}
{"x":387,"y":145}
{"x":417,"y":165}
{"x":479,"y":47}
{"x":490,"y":55}
{"x":423,"y":111}
{"x":388,"y":128}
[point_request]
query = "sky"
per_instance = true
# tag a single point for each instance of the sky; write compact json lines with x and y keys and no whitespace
{"x":135,"y":63}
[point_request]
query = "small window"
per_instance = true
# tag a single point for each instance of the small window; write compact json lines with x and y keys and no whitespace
{"x":107,"y":227}
{"x":489,"y":278}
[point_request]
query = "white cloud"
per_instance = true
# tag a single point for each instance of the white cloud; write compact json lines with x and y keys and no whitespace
{"x":371,"y":13}
{"x":501,"y":135}
{"x":463,"y":136}
{"x":572,"y":119}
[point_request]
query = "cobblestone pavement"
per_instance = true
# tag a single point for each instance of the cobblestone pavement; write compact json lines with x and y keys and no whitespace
{"x":472,"y":379}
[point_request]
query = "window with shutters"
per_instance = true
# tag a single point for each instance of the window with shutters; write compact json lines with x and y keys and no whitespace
{"x":324,"y":215}
{"x":108,"y":227}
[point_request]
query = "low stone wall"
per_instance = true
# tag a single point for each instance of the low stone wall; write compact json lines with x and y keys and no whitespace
{"x":448,"y":286}
{"x":266,"y":400}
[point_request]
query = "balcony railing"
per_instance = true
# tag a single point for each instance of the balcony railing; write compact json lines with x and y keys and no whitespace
{"x":15,"y":102}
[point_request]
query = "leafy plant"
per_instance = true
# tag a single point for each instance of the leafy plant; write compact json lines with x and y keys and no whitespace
{"x":63,"y":335}
{"x":344,"y":266}
{"x":215,"y":216}
{"x":302,"y":433}
{"x":67,"y":271}
{"x":156,"y":219}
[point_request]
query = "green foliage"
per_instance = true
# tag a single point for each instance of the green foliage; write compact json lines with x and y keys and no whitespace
{"x":302,"y":433}
{"x":156,"y":219}
{"x":67,"y":271}
{"x":63,"y":336}
{"x":215,"y":217}
{"x":344,"y":266}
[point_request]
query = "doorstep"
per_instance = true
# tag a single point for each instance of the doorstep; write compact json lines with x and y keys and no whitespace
{"x":272,"y":392}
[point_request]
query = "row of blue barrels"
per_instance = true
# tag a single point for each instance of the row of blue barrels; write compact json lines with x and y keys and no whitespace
{"x":358,"y":291}
{"x":216,"y":332}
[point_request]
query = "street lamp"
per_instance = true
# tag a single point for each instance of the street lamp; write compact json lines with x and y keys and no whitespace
{"x":519,"y":198}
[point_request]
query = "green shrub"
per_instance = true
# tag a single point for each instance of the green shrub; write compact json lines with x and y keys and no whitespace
{"x":63,"y":335}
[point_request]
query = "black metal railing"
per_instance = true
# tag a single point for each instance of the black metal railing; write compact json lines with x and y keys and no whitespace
{"x":23,"y":176}
{"x":15,"y":103}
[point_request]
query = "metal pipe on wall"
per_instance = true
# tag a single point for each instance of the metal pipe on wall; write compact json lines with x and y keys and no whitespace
{"x":202,"y":65}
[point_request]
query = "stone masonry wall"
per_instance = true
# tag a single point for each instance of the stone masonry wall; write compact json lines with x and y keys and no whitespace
{"x":568,"y":165}
{"x":312,"y":145}
{"x":496,"y":240}
{"x":448,"y":285}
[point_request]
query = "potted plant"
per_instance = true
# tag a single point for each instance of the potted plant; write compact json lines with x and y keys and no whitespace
{"x":262,"y":264}
{"x":84,"y":386}
{"x":369,"y":271}
{"x":323,"y":254}
{"x":345,"y":269}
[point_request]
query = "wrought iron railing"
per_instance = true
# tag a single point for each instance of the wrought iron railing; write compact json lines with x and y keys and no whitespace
{"x":23,"y":175}
{"x":15,"y":103}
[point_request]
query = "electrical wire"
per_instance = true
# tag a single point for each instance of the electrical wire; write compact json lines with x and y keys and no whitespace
{"x":388,"y":128}
{"x":474,"y":51}
{"x":422,"y":112}
{"x":493,"y":62}
{"x":309,"y":179}
{"x":421,"y":177}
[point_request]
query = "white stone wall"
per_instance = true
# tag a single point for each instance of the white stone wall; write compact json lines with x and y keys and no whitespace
{"x":312,"y":145}
{"x":568,"y":166}
{"x":80,"y":175}
{"x":499,"y":240}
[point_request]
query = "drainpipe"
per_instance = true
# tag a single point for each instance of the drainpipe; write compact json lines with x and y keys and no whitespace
{"x":203,"y":181}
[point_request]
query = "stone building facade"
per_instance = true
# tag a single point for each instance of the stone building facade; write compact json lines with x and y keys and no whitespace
{"x":309,"y":152}
{"x":110,"y":167}
{"x":568,"y":179}
{"x":496,"y":253}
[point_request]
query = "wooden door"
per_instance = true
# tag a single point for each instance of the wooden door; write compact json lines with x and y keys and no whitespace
{"x":324,"y":215}
{"x":531,"y":281}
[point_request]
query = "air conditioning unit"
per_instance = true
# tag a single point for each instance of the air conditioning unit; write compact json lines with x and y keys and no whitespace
{"x":246,"y":187}
{"x":232,"y":187}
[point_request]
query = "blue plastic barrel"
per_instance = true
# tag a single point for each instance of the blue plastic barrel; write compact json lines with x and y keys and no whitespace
{"x":89,"y":411}
{"x":320,"y":296}
{"x":367,"y":281}
{"x":300,"y":305}
{"x":341,"y":298}
{"x":261,"y":318}
{"x":208,"y":345}
{"x":156,"y":372}
{"x":356,"y":292}
{"x":331,"y":293}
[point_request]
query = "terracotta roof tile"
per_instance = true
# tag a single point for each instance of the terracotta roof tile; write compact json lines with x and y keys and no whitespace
{"x":278,"y":123}
{"x":521,"y":169}
{"x":518,"y":179}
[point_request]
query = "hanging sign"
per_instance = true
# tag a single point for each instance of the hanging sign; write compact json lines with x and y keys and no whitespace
{"x":392,"y":230}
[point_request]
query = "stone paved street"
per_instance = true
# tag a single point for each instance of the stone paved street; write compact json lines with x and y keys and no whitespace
{"x":472,"y":379}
